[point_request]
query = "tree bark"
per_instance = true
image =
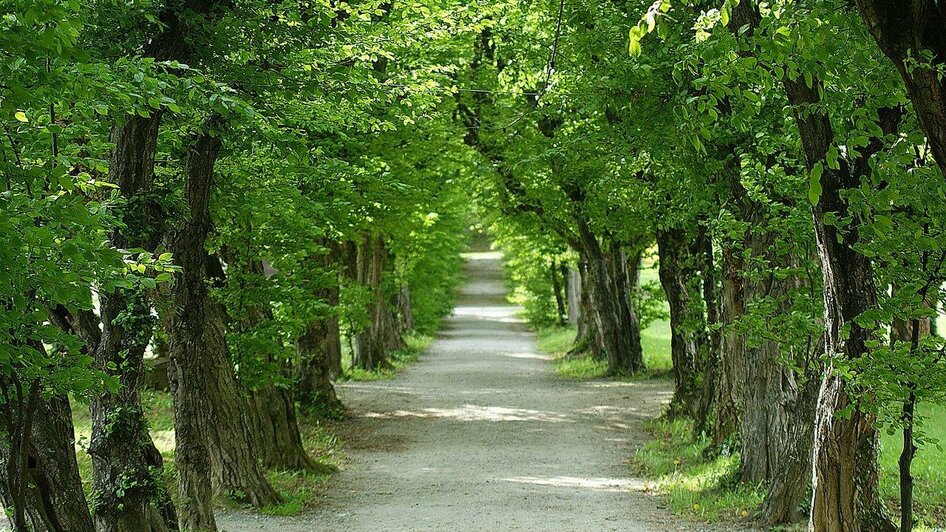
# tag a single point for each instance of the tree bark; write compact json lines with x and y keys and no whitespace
{"x":680,"y":281}
{"x":846,"y":496}
{"x":559,"y":296}
{"x":845,"y":491}
{"x":573,"y":294}
{"x":123,"y":454}
{"x":372,"y":344}
{"x":902,"y":30}
{"x":271,"y":408}
{"x":319,"y":351}
{"x":617,"y":328}
{"x":211,"y":421}
{"x":707,"y":414}
{"x":54,"y":498}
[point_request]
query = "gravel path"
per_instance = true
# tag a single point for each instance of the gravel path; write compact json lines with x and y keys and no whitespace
{"x":481,"y":435}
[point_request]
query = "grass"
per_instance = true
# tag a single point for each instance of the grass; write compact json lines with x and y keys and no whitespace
{"x":929,"y":470}
{"x":692,"y":485}
{"x":655,"y":342}
{"x":416,"y":344}
{"x":299,"y":490}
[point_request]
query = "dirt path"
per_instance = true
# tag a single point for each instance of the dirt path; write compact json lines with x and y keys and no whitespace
{"x":481,"y":435}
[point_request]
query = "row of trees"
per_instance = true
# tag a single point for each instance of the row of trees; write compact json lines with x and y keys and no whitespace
{"x":785,"y":159}
{"x":238,"y":185}
{"x":250,"y":181}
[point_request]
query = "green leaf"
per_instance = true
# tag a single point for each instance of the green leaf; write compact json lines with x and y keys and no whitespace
{"x":21,"y":116}
{"x":814,"y":183}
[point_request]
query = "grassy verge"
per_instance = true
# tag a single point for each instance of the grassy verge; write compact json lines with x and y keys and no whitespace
{"x":299,"y":490}
{"x":416,"y":344}
{"x":704,"y":489}
{"x":693,"y":486}
{"x":556,"y":341}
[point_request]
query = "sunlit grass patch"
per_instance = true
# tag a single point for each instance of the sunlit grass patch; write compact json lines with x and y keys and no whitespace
{"x":557,"y":341}
{"x":693,"y":485}
{"x":929,"y":470}
{"x":416,"y":344}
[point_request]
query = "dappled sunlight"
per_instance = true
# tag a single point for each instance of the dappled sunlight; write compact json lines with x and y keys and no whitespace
{"x":611,"y":384}
{"x":594,"y":484}
{"x":376,"y":385}
{"x":492,"y":313}
{"x":482,"y":255}
{"x":526,"y":355}
{"x":476,"y":413}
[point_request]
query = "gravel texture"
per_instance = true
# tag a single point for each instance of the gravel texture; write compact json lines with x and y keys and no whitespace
{"x":482,"y":435}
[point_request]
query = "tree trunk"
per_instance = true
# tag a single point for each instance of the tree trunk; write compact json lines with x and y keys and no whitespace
{"x":573,"y":295}
{"x":775,"y":405}
{"x":123,"y":454}
{"x":317,"y":348}
{"x":319,"y":351}
{"x":618,"y":331}
{"x":127,"y":497}
{"x":680,"y":281}
{"x":372,"y":344}
{"x":559,"y":296}
{"x":587,"y":337}
{"x":272,"y":410}
{"x":211,"y":421}
{"x":712,"y":366}
{"x":405,"y":311}
{"x":272,"y":413}
{"x":901,"y":30}
{"x":731,"y":350}
{"x":846,"y":496}
{"x":54,"y":498}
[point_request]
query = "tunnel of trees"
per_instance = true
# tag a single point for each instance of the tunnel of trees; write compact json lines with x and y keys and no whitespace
{"x":259,"y":198}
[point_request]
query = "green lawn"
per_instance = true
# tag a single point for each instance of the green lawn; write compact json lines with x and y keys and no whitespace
{"x":929,"y":469}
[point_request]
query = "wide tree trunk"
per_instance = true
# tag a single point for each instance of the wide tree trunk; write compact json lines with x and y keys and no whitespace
{"x":212,"y":425}
{"x":845,"y":490}
{"x":128,"y":498}
{"x":317,"y":349}
{"x":775,"y":404}
{"x":681,"y":284}
{"x":54,"y":498}
{"x":272,"y":413}
{"x":373,"y":343}
{"x":618,"y":328}
{"x":271,"y":407}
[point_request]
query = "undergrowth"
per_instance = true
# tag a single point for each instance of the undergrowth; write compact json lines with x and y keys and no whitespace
{"x":416,"y":344}
{"x":299,"y":490}
{"x":693,"y":485}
